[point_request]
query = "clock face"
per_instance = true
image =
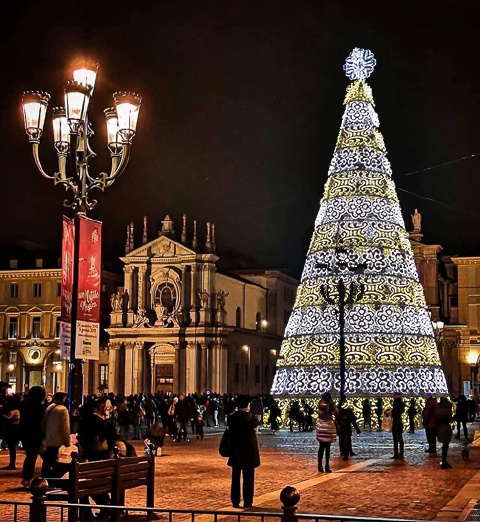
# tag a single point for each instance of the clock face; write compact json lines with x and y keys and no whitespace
{"x":35,"y":355}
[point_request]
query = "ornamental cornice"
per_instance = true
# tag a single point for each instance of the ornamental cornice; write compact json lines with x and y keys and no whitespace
{"x":172,"y":260}
{"x":24,"y":274}
{"x":466,"y":261}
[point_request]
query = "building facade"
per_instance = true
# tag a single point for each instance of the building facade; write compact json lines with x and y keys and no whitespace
{"x":30,"y":329}
{"x":181,"y":325}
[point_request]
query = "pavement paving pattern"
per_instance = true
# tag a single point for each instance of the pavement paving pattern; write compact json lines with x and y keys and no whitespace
{"x":192,"y":475}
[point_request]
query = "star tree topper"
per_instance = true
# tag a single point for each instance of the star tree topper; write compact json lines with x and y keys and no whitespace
{"x":360,"y":64}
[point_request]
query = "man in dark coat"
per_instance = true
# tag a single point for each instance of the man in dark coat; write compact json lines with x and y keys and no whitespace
{"x":182,"y":413}
{"x":398,"y":410}
{"x":429,"y":418}
{"x":244,"y":454}
{"x":32,"y":410}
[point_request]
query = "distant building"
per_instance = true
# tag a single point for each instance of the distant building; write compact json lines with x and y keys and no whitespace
{"x":183,"y":325}
{"x":30,"y":326}
{"x":450,"y":315}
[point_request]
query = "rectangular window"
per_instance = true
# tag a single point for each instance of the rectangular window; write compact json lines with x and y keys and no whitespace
{"x":35,"y":327}
{"x":59,"y":289}
{"x":103,"y":375}
{"x":37,"y":289}
{"x":257,"y":374}
{"x":14,"y":290}
{"x":57,"y":328}
{"x":237,"y":372}
{"x":13,"y":327}
{"x":265,"y":375}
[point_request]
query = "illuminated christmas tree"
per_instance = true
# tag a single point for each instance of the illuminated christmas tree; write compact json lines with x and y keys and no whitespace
{"x":359,"y":252}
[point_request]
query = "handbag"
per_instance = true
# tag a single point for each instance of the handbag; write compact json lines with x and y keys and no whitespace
{"x":387,"y":423}
{"x":224,"y":446}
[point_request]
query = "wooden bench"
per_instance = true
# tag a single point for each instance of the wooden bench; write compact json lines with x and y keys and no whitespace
{"x":113,"y":476}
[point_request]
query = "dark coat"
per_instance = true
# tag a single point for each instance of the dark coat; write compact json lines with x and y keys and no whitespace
{"x":182,"y":410}
{"x":31,"y":415}
{"x":243,"y":440}
{"x":398,"y":410}
{"x":429,"y":414}
{"x":444,"y":418}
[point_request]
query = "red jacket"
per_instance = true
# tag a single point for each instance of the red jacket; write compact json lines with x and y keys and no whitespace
{"x":429,"y":414}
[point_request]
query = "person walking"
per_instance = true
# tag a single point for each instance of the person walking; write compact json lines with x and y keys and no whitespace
{"x":461,"y":416}
{"x":244,"y":454}
{"x":12,"y":430}
{"x":345,"y":420}
{"x":412,"y":413}
{"x":256,"y":407}
{"x":398,"y":410}
{"x":326,"y":430}
{"x":274,"y":413}
{"x":444,"y":430}
{"x":32,"y":410}
{"x":379,"y":412}
{"x":182,"y":415}
{"x":367,"y":414}
{"x":429,"y":419}
{"x":56,"y":426}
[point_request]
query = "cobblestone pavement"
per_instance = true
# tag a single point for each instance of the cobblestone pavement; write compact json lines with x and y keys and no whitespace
{"x":192,"y":475}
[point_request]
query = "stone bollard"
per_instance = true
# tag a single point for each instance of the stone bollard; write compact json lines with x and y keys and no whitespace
{"x":289,"y":498}
{"x":38,"y":510}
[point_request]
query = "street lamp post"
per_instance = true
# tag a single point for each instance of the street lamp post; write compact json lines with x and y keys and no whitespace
{"x":71,"y":134}
{"x":343,"y":295}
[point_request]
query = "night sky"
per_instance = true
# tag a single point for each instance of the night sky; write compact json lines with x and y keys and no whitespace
{"x":242,"y":107}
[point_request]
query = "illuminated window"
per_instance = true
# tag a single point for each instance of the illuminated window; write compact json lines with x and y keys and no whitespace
{"x":12,"y":327}
{"x":258,"y":321}
{"x":57,"y":328}
{"x":35,"y":327}
{"x":14,"y":290}
{"x":103,"y":375}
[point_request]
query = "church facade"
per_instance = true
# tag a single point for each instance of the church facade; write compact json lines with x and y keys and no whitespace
{"x":181,"y":325}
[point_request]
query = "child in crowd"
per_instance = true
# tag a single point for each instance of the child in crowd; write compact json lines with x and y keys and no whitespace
{"x":199,"y":424}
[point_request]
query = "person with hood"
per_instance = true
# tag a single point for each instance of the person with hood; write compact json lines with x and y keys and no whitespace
{"x":326,"y":430}
{"x":444,"y":430}
{"x":244,"y":454}
{"x":32,"y":410}
{"x":56,"y":427}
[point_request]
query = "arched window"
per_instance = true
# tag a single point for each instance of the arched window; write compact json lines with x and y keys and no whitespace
{"x":238,"y":317}
{"x":166,"y":295}
{"x":258,"y":321}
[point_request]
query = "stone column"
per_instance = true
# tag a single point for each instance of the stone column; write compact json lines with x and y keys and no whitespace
{"x":129,"y":369}
{"x":215,"y":367}
{"x":141,"y":301}
{"x":128,"y":282}
{"x":204,"y":370}
{"x":151,"y":353}
{"x":191,"y":365}
{"x":193,"y":294}
{"x":137,"y":373}
{"x":178,"y":370}
{"x":113,"y":381}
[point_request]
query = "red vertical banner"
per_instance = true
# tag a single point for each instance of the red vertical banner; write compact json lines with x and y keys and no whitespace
{"x":68,"y":253}
{"x":87,"y":344}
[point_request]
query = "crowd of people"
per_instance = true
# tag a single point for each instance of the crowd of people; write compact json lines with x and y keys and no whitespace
{"x":40,"y":424}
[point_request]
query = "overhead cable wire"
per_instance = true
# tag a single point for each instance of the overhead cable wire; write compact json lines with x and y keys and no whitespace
{"x":470,"y":156}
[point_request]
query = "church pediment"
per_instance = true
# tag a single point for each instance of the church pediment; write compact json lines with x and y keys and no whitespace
{"x":161,"y":247}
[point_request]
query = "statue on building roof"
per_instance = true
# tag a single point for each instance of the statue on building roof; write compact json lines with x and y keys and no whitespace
{"x":417,"y":221}
{"x":221,"y":296}
{"x":204,"y":298}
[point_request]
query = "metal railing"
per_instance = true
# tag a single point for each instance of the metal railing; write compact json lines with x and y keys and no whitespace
{"x":40,"y":510}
